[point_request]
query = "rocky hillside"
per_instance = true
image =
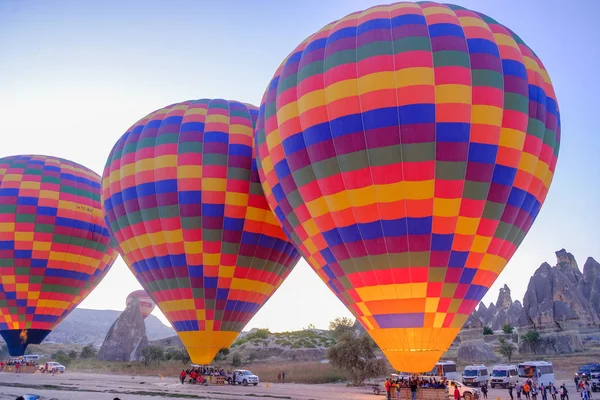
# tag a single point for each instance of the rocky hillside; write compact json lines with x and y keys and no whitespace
{"x":554,"y":295}
{"x":260,"y":344}
{"x":85,"y":326}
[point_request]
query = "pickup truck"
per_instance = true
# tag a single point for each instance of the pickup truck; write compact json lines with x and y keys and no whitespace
{"x":242,"y":377}
{"x":595,"y":381}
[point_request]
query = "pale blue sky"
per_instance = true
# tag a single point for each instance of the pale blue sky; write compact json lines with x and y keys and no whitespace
{"x":74,"y":75}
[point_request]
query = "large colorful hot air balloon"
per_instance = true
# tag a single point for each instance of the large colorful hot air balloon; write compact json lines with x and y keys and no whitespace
{"x":54,"y":246}
{"x":407,"y":149}
{"x":145,"y":301}
{"x":182,"y":197}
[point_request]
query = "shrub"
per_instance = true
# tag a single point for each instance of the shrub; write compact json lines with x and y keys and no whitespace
{"x":487,"y":330}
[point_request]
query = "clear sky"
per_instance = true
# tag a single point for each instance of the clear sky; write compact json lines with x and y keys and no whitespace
{"x":74,"y":75}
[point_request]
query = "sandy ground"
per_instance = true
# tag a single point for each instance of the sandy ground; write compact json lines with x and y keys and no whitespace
{"x":84,"y":386}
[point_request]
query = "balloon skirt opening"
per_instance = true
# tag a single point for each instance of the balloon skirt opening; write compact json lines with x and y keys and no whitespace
{"x":414,"y":350}
{"x":203,"y":346}
{"x":17,"y":340}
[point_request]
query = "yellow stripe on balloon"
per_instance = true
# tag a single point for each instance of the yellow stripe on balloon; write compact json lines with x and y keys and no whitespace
{"x":177,"y":305}
{"x":251,"y":286}
{"x":415,"y":76}
{"x":512,"y":138}
{"x":395,"y":291}
{"x":446,"y":94}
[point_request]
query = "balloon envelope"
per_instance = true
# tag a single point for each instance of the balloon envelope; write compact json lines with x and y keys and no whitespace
{"x":54,"y":246}
{"x":146,"y":303}
{"x":407,"y":149}
{"x":183,"y":199}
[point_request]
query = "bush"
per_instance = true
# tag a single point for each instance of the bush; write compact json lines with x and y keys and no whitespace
{"x":339,"y":326}
{"x":356,"y":355}
{"x":63,"y":358}
{"x":487,"y":330}
{"x":236,"y":361}
{"x":507,"y":349}
{"x":532,"y":338}
{"x":88,"y":351}
{"x":153,"y":354}
{"x":508,"y":329}
{"x":73,"y":355}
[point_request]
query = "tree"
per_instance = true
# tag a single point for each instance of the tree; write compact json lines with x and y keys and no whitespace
{"x":88,"y":351}
{"x":357,"y":356}
{"x":177,"y":355}
{"x":236,"y":360}
{"x":153,"y":354}
{"x":222,"y":354}
{"x":487,"y":330}
{"x":532,"y":338}
{"x":73,"y":355}
{"x":507,"y":349}
{"x":339,"y":326}
{"x":62,"y":358}
{"x":508,"y":329}
{"x":3,"y":351}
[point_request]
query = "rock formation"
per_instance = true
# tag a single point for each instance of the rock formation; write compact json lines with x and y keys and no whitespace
{"x":126,"y":338}
{"x":563,"y":293}
{"x":505,"y":311}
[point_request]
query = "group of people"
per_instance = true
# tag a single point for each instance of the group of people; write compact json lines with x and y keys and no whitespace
{"x":281,"y":377}
{"x":393,"y":386}
{"x":17,"y":364}
{"x":530,"y":391}
{"x":583,"y":386}
{"x":197,"y":375}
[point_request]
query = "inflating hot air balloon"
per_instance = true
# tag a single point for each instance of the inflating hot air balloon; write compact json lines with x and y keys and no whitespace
{"x":146,"y":303}
{"x":407,"y":149}
{"x":182,"y":197}
{"x":54,"y":246}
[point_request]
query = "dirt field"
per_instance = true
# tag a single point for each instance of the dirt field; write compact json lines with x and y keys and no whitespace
{"x":85,"y":386}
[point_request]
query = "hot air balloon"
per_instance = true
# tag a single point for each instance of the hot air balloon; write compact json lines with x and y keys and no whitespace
{"x":182,"y":197}
{"x":146,"y":303}
{"x":407,"y":150}
{"x":54,"y":246}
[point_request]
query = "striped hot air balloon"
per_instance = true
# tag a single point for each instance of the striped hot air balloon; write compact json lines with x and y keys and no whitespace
{"x":407,"y":150}
{"x":182,"y":197}
{"x":54,"y":246}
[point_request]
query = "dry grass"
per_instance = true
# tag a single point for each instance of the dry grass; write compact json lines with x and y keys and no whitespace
{"x":300,"y":372}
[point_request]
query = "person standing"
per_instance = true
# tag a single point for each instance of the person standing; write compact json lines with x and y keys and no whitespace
{"x":519,"y":390}
{"x":456,"y":393}
{"x":413,"y":389}
{"x":484,"y":390}
{"x":282,"y":376}
{"x":510,"y":390}
{"x":588,"y":389}
{"x":388,"y":388}
{"x":553,"y":391}
{"x":182,"y":376}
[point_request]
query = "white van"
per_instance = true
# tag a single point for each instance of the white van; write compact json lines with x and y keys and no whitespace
{"x":540,"y":372}
{"x":475,"y":375}
{"x":443,"y":369}
{"x":31,"y":358}
{"x":503,"y":375}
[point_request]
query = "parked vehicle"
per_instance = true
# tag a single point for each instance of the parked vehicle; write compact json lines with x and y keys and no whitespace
{"x":242,"y":377}
{"x":541,"y":372}
{"x":504,"y":375}
{"x":585,"y":370}
{"x":31,"y":358}
{"x":54,"y":367}
{"x":466,"y":392}
{"x":475,"y":375}
{"x":595,"y":380}
{"x":444,"y":370}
